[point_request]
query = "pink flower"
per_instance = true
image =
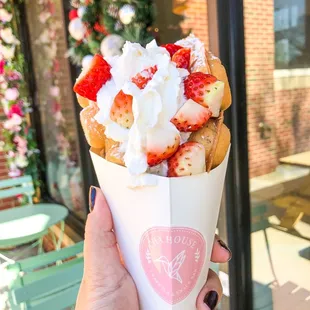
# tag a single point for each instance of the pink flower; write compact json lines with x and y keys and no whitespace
{"x":11,"y":154}
{"x":21,"y":145}
{"x":14,"y":76}
{"x":20,"y":141}
{"x":5,"y":16}
{"x":15,"y":173}
{"x":54,"y":91}
{"x":13,"y":124}
{"x":15,"y":109}
{"x":2,"y":63}
{"x":11,"y":94}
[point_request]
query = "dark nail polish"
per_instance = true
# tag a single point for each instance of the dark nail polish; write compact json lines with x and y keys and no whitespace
{"x":211,"y":299}
{"x":92,"y":198}
{"x":224,"y":246}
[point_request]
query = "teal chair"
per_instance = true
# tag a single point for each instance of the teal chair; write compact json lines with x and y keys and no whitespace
{"x":17,"y":186}
{"x":48,"y":281}
{"x":28,"y":223}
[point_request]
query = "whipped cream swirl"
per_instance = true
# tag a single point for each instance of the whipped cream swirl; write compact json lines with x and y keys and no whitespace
{"x":153,"y":107}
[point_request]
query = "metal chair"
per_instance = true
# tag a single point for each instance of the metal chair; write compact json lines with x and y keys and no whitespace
{"x":29,"y":223}
{"x":40,"y":282}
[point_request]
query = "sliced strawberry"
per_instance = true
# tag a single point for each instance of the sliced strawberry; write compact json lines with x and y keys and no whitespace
{"x":206,"y":90}
{"x":91,"y":79}
{"x":160,"y":145}
{"x":182,"y":58}
{"x":121,"y":110}
{"x":172,"y":48}
{"x":188,"y":160}
{"x":191,"y":116}
{"x":142,"y":78}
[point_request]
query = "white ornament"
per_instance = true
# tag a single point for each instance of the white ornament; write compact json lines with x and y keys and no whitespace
{"x":77,"y":29}
{"x":87,"y":60}
{"x":81,"y":11}
{"x":127,"y":13}
{"x":111,"y":45}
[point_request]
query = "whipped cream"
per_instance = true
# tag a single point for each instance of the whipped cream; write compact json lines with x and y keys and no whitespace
{"x":153,"y":107}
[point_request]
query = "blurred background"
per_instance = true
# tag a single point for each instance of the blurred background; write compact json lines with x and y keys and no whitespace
{"x":265,"y":46}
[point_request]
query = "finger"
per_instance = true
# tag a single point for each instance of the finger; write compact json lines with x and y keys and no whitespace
{"x":211,"y":294}
{"x":100,"y":247}
{"x":220,"y":252}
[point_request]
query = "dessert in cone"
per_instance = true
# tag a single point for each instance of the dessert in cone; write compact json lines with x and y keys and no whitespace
{"x":154,"y":118}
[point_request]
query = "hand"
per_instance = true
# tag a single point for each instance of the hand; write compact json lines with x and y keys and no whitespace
{"x":107,"y":285}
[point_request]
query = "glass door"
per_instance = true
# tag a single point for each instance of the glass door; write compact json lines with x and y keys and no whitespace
{"x":54,"y":104}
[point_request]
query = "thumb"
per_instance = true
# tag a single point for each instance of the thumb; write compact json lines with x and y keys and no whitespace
{"x":101,"y":254}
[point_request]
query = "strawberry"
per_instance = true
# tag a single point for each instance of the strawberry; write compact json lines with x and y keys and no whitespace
{"x":191,"y":116}
{"x":121,"y":110}
{"x":188,"y":160}
{"x":172,"y":48}
{"x":182,"y":58}
{"x":206,"y":90}
{"x":142,"y":78}
{"x":160,"y":145}
{"x":91,"y":79}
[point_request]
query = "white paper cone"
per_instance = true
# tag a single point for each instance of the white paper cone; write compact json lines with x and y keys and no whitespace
{"x":165,"y":232}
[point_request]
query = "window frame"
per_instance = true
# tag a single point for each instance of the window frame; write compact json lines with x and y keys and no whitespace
{"x":237,"y":196}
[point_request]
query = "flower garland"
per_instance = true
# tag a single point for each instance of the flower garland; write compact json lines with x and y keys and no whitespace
{"x":48,"y":41}
{"x":19,"y":143}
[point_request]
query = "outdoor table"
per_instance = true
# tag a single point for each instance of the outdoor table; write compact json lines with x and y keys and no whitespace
{"x":29,"y":223}
{"x":301,"y":159}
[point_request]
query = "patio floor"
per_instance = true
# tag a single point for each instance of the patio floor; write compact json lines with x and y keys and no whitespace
{"x":291,"y":260}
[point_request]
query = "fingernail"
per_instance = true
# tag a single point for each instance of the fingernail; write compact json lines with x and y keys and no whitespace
{"x":211,"y":299}
{"x":92,"y":198}
{"x":224,"y":246}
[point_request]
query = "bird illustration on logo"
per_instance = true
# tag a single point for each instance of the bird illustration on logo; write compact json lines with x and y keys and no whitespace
{"x":172,"y":268}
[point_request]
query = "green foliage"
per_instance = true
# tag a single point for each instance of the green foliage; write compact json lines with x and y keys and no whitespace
{"x":139,"y":30}
{"x":92,"y":18}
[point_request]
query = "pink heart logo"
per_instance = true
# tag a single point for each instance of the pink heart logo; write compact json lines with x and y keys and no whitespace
{"x":172,"y":259}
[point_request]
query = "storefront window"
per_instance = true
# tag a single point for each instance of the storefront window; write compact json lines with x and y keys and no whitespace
{"x":291,"y":26}
{"x":54,"y":99}
{"x":278,"y":107}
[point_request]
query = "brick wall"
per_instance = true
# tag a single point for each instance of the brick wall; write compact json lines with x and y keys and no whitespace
{"x":259,"y":45}
{"x":286,"y":112}
{"x":196,"y":20}
{"x":293,"y":126}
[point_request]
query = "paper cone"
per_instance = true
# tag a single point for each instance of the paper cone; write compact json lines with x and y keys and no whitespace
{"x":165,"y":232}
